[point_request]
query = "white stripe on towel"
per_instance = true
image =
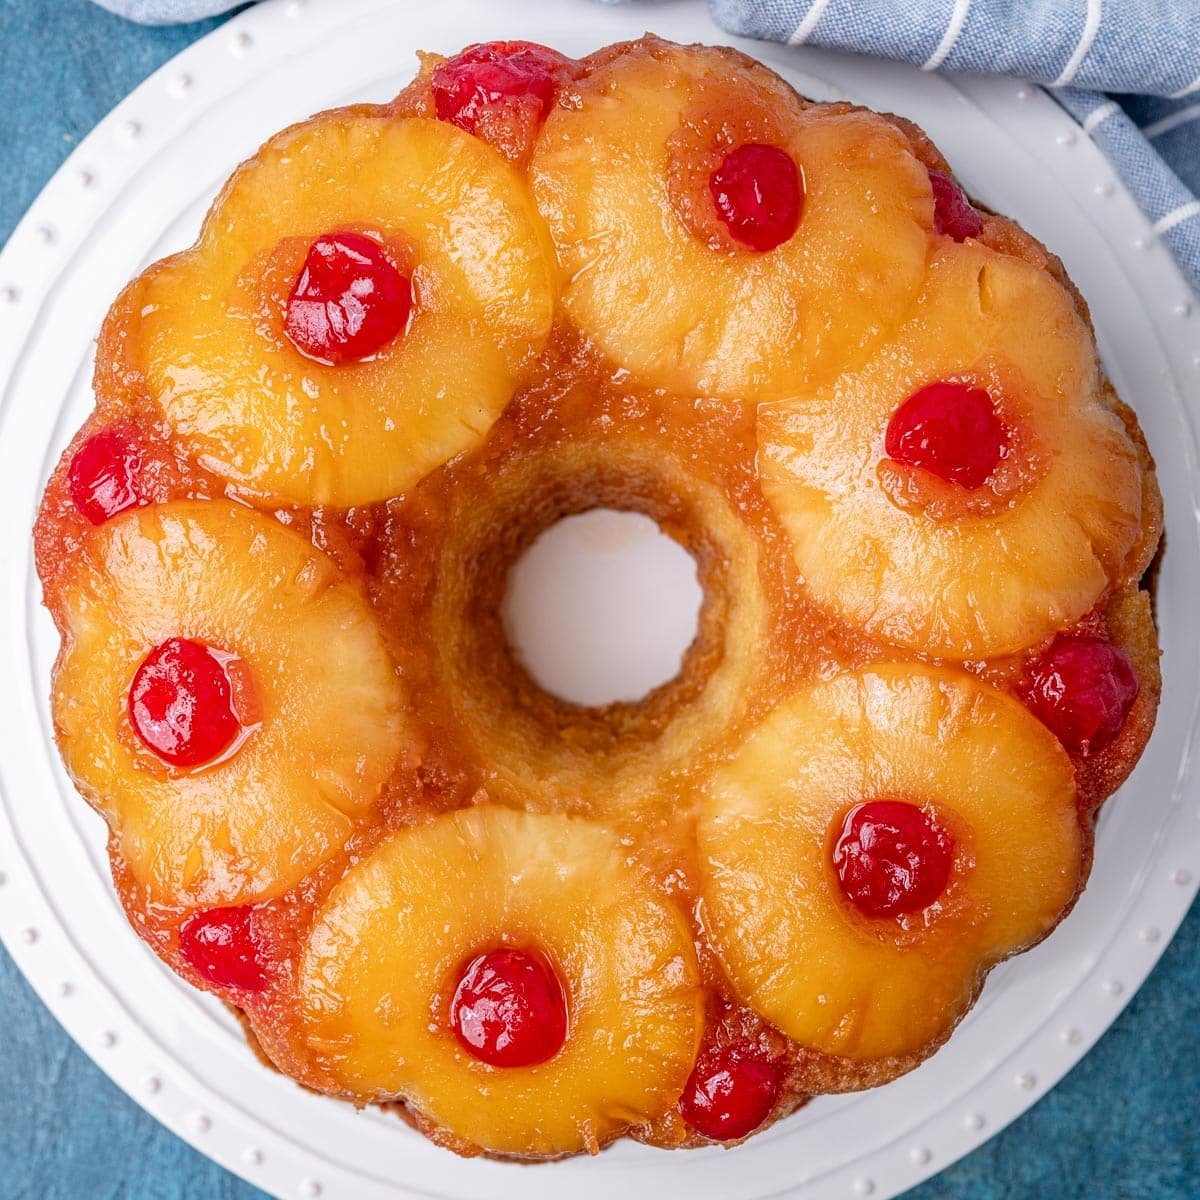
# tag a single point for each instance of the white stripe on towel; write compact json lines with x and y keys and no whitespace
{"x":1171,"y":121}
{"x":1100,"y":113}
{"x":1176,"y":215}
{"x":1187,"y":91}
{"x":809,"y":23}
{"x":1091,"y":26}
{"x":957,"y":19}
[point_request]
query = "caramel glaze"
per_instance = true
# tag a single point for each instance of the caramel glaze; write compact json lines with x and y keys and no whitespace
{"x":582,"y":434}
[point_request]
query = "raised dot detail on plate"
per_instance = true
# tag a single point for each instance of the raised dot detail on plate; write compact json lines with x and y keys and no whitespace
{"x":240,"y":43}
{"x":921,"y":1155}
{"x":179,"y":85}
{"x":973,"y":1121}
{"x":201,"y":1123}
{"x":1183,"y":308}
{"x":1105,"y":189}
{"x":108,"y":1039}
{"x":131,"y":131}
{"x":87,"y":177}
{"x":310,"y":1187}
{"x":29,"y":935}
{"x":1114,"y":987}
{"x":9,"y":294}
{"x":3,"y":878}
{"x":1183,"y":876}
{"x":1022,"y":93}
{"x":1066,"y":139}
{"x":66,"y":989}
{"x":296,"y":7}
{"x":1143,"y":243}
{"x":152,"y":1084}
{"x":252,"y":1156}
{"x":47,"y":235}
{"x":1150,"y":934}
{"x":864,"y":1187}
{"x":1027,"y":1080}
{"x":1072,"y":1037}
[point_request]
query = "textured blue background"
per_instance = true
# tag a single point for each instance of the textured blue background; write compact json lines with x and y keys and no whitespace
{"x":1124,"y":1125}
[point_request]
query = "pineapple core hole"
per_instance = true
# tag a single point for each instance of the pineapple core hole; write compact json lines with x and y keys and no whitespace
{"x":602,"y":607}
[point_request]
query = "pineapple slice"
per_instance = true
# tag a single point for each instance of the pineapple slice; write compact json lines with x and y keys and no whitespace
{"x":919,"y":562}
{"x":316,"y":694}
{"x":204,"y":332}
{"x":796,"y":949}
{"x":623,"y":178}
{"x":382,"y":961}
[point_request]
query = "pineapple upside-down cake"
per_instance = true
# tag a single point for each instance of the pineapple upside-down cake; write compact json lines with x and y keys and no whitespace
{"x":410,"y":338}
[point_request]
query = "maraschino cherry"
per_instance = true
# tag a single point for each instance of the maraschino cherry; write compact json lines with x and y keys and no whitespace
{"x":509,"y":1008}
{"x":951,"y":430}
{"x":1083,"y":689}
{"x":496,"y":75}
{"x":221,"y":947}
{"x":892,"y":858}
{"x":105,"y":476}
{"x":758,"y":194}
{"x":953,"y":214}
{"x":181,"y":703}
{"x":349,"y":301}
{"x":730,"y":1092}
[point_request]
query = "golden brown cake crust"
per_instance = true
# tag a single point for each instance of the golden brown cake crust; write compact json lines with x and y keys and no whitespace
{"x":582,"y":432}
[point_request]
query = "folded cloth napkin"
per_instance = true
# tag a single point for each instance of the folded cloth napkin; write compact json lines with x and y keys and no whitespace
{"x":1127,"y":70}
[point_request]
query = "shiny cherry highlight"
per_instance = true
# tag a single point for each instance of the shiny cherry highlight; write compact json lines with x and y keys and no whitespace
{"x":730,"y":1092}
{"x":951,"y":430}
{"x":891,"y":858}
{"x":953,"y":213}
{"x":1082,"y":690}
{"x":349,"y":300}
{"x":104,"y":476}
{"x":509,"y":1009}
{"x":758,"y":194}
{"x":181,"y":703}
{"x":221,"y":947}
{"x":496,"y":75}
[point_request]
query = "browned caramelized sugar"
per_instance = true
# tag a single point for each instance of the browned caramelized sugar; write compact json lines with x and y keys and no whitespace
{"x":582,"y":434}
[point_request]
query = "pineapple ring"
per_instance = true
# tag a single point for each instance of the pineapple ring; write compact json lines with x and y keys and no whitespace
{"x":798,"y":952}
{"x":204,"y":329}
{"x":986,"y":583}
{"x":254,"y":824}
{"x":377,"y":969}
{"x":682,"y":315}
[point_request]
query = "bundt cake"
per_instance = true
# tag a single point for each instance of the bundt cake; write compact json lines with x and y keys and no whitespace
{"x":413,"y":336}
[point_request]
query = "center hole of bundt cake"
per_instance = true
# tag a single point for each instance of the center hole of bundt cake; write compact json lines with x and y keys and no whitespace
{"x":602,"y":607}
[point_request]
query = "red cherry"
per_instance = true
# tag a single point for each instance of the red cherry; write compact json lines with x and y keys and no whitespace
{"x":509,"y":1009}
{"x":758,"y":193}
{"x":891,"y":858}
{"x":730,"y":1092}
{"x":349,"y":300}
{"x":1083,"y":689}
{"x":953,"y":214}
{"x":950,"y":430}
{"x":181,"y":703}
{"x":496,"y":75}
{"x":105,"y":476}
{"x":221,"y":948}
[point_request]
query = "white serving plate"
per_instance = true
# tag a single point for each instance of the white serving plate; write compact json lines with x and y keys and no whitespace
{"x":135,"y":189}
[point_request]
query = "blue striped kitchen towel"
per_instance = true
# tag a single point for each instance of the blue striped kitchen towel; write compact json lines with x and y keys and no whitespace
{"x":1127,"y":70}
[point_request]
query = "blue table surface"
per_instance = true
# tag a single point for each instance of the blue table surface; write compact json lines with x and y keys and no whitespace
{"x":1124,"y":1125}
